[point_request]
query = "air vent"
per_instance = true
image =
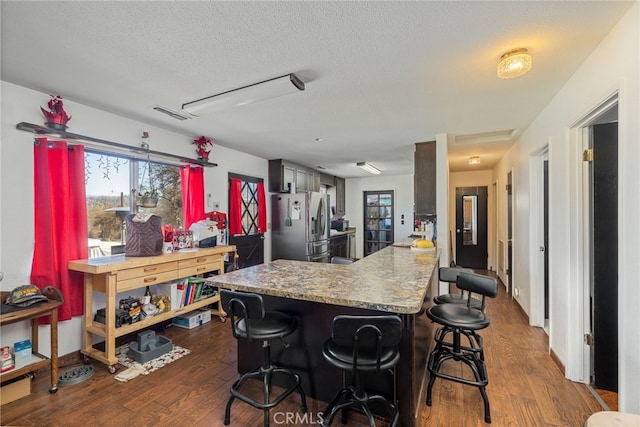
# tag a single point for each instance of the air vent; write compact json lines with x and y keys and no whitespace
{"x":173,"y":114}
{"x":487,"y":137}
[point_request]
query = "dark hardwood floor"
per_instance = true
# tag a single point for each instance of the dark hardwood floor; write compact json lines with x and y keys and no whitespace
{"x":525,"y":388}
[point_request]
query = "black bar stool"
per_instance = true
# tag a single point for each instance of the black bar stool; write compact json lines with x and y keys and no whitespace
{"x":250,"y":321}
{"x":461,"y":319}
{"x":362,"y":344}
{"x":450,"y":275}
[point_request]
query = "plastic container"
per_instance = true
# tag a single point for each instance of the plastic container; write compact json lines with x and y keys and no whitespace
{"x":149,"y":346}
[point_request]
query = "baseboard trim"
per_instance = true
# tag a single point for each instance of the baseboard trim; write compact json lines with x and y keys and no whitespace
{"x":70,"y":359}
{"x":521,"y":311}
{"x":557,"y":361}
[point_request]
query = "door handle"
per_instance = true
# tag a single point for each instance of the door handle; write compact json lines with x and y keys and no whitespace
{"x":542,"y":249}
{"x":457,"y":230}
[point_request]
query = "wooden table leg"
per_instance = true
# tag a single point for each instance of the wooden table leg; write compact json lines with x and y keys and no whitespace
{"x":54,"y":351}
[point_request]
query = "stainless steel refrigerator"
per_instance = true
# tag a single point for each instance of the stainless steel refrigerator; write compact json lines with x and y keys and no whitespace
{"x":300,"y":226}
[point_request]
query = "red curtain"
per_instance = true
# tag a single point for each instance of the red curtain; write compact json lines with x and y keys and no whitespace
{"x":192,"y":182}
{"x":60,"y":221}
{"x":235,"y":207}
{"x":262,"y":209}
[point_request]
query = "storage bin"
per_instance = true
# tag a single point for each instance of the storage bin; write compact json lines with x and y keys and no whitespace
{"x":192,"y":319}
{"x":15,"y":390}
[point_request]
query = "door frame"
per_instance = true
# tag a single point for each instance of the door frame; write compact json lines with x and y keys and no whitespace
{"x":536,"y":261}
{"x":510,"y":281}
{"x":578,"y":366}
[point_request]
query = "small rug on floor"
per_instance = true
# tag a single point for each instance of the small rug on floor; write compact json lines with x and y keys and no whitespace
{"x":154,"y":364}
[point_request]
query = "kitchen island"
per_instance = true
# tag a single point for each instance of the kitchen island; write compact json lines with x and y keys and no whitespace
{"x":394,"y":280}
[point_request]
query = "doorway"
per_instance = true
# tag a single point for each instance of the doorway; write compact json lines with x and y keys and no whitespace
{"x":509,"y":270}
{"x":471,"y":227}
{"x":378,"y":220}
{"x":604,"y":250}
{"x":539,"y":233}
{"x":545,"y":247}
{"x":250,"y":243}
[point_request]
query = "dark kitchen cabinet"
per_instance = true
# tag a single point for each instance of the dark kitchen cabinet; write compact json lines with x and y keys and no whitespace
{"x":288,"y":177}
{"x":301,"y":180}
{"x":339,"y":246}
{"x":326,"y":179}
{"x":283,"y":174}
{"x":314,"y":178}
{"x":424,"y":179}
{"x":340,"y":196}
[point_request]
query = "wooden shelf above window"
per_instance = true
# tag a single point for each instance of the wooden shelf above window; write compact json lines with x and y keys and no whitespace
{"x":129,"y":151}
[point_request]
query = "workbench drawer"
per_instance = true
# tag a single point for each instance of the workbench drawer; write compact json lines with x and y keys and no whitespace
{"x":199,"y":265}
{"x":151,"y":279}
{"x":146,"y":270}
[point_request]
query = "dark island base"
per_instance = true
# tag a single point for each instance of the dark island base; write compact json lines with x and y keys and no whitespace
{"x":321,"y":380}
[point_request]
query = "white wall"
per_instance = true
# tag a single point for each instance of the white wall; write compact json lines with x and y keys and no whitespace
{"x":613,"y":66}
{"x":16,"y":186}
{"x":402,"y":185}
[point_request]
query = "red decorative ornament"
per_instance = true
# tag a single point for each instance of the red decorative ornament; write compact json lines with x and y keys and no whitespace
{"x":203,"y":147}
{"x":56,"y":117}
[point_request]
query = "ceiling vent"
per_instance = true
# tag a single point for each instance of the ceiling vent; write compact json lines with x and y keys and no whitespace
{"x":487,"y":137}
{"x":174,"y":114}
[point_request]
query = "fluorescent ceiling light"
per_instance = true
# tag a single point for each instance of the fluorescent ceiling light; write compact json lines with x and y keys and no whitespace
{"x":170,"y":113}
{"x":256,"y":92}
{"x":369,"y":168}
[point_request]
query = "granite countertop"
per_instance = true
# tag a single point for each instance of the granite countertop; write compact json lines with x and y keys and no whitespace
{"x":336,"y":233}
{"x":394,"y":279}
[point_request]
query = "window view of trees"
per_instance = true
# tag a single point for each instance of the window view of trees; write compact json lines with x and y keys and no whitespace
{"x":166,"y":182}
{"x":111,"y":194}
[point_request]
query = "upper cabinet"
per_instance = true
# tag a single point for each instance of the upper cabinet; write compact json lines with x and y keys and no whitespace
{"x":284,"y":174}
{"x":424,"y":180}
{"x":301,"y":180}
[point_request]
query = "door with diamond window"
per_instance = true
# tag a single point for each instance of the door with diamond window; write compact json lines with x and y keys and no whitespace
{"x":378,"y":220}
{"x":250,"y":242}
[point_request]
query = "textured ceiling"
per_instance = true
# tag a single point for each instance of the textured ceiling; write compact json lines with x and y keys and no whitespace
{"x":380,"y":76}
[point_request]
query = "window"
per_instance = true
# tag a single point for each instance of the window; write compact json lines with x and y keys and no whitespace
{"x":249,"y":207}
{"x":111,"y":184}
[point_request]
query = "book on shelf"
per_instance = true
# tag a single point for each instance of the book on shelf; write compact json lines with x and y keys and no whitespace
{"x":198,"y":291}
{"x":187,"y":294}
{"x":180,"y":294}
{"x":197,"y":284}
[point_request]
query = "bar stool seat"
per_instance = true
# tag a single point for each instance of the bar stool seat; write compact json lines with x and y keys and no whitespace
{"x":459,"y":316}
{"x":250,"y":321}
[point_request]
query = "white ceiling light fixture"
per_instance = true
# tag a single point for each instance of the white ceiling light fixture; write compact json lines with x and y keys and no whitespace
{"x":514,"y":63}
{"x":268,"y":89}
{"x":474,"y":160}
{"x":369,"y":168}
